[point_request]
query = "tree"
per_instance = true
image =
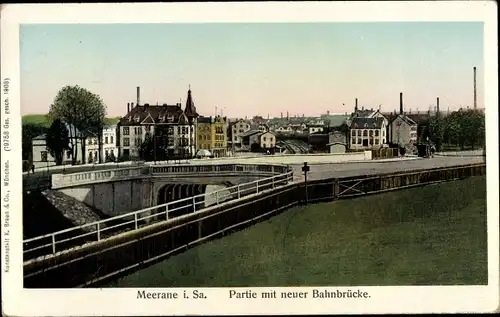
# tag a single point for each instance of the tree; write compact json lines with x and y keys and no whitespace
{"x":83,"y":110}
{"x":146,"y":150}
{"x":111,"y":157}
{"x":436,"y":131}
{"x":57,"y":140}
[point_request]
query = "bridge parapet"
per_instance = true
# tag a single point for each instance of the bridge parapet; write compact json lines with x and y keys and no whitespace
{"x":91,"y":177}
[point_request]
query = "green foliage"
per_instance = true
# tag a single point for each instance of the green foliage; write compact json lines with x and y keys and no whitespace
{"x":147,"y":148}
{"x":41,"y":120}
{"x":461,"y":128}
{"x":44,"y":120}
{"x":82,"y":109}
{"x":57,"y":140}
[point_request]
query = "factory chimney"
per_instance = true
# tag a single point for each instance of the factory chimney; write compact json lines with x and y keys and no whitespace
{"x":437,"y":107}
{"x":128,"y":107}
{"x":356,"y":105}
{"x":138,"y":95}
{"x":475,"y":93}
{"x":401,"y":112}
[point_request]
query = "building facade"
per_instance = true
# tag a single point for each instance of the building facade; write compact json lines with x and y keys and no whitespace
{"x":403,"y":131}
{"x":337,"y":142}
{"x":171,"y":129}
{"x":109,"y":148}
{"x":212,"y":135}
{"x":238,"y":129}
{"x":256,"y":141}
{"x":367,"y":133}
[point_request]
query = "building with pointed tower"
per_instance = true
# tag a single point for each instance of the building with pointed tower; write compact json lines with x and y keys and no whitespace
{"x":171,"y":129}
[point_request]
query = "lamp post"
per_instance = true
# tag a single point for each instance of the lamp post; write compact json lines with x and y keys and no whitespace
{"x":305,"y":169}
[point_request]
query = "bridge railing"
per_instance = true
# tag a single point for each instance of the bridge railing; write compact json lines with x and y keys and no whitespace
{"x":73,"y":237}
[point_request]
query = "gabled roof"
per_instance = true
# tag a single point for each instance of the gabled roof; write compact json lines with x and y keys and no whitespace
{"x":405,"y":118}
{"x":159,"y":114}
{"x":148,"y":120}
{"x":250,"y":132}
{"x":40,"y":137}
{"x":366,"y":123}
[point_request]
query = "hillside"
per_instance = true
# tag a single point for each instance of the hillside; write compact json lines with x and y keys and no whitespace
{"x":43,"y":120}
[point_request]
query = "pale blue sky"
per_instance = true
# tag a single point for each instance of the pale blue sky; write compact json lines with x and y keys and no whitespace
{"x":256,"y":68}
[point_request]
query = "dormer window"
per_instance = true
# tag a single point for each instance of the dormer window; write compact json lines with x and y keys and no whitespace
{"x":170,"y":119}
{"x":137,"y":118}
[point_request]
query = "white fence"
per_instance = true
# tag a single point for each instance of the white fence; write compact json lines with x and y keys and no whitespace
{"x":52,"y":243}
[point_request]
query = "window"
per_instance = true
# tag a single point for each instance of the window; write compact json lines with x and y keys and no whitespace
{"x":271,"y":139}
{"x":126,"y":131}
{"x":43,"y":154}
{"x":365,"y":133}
{"x":371,"y":141}
{"x":111,"y":140}
{"x":178,"y":130}
{"x":359,"y":140}
{"x":376,"y":132}
{"x":68,"y":154}
{"x":376,"y":141}
{"x":353,"y":133}
{"x":126,"y":142}
{"x":106,"y":154}
{"x":371,"y":132}
{"x":264,"y":139}
{"x":105,"y":140}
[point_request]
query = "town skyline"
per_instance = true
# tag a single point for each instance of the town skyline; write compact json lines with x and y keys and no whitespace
{"x":247,"y":69}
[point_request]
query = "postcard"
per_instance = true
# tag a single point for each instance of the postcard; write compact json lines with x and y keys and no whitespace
{"x":253,"y":158}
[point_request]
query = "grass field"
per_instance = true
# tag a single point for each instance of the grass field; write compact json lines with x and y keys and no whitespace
{"x":43,"y":120}
{"x":432,"y":235}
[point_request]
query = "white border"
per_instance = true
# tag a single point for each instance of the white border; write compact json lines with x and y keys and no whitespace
{"x":20,"y":302}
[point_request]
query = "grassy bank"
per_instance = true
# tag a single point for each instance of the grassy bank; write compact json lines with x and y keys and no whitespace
{"x":43,"y":120}
{"x":422,"y":236}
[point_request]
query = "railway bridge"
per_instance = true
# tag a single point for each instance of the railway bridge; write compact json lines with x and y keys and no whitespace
{"x":256,"y":191}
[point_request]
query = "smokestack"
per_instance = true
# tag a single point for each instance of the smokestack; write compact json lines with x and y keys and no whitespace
{"x":356,"y":104}
{"x":437,"y":107}
{"x":282,"y":115}
{"x":138,"y":95}
{"x":475,"y":93}
{"x":401,"y":112}
{"x":128,"y":107}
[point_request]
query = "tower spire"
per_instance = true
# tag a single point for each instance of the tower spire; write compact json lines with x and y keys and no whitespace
{"x":190,"y":109}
